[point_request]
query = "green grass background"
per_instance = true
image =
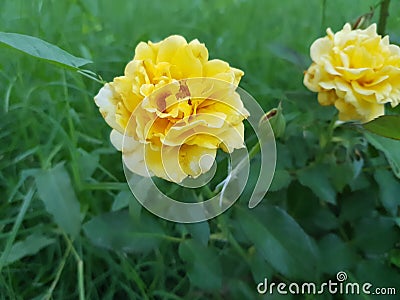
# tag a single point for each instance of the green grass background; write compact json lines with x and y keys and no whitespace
{"x":48,"y":116}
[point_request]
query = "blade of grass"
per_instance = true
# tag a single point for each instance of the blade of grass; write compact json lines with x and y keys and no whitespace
{"x":58,"y":274}
{"x":81,"y":285}
{"x":7,"y":96}
{"x":27,"y":201}
{"x":383,"y":15}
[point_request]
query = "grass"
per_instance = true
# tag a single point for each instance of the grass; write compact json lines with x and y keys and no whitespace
{"x":48,"y":116}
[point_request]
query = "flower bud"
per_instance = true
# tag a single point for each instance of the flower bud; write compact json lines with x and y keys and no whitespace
{"x":276,"y":119}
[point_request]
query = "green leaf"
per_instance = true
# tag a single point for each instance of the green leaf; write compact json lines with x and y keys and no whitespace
{"x":122,"y":200}
{"x":259,"y":267}
{"x":38,"y":48}
{"x":239,"y":289}
{"x":300,"y":150}
{"x":56,"y":192}
{"x":289,"y":55}
{"x":390,"y":147}
{"x":375,"y":236}
{"x":280,"y":240}
{"x":341,"y":175}
{"x":135,"y":207}
{"x":313,"y":216}
{"x":387,"y":126}
{"x":280,"y":181}
{"x":361,"y":182}
{"x":336,"y":255}
{"x":30,"y":246}
{"x":199,"y":231}
{"x":358,"y":204}
{"x":397,"y":220}
{"x":316,"y":177}
{"x":379,"y":274}
{"x":394,"y":257}
{"x":121,"y":232}
{"x":203,"y":266}
{"x":88,"y":163}
{"x":389,"y":190}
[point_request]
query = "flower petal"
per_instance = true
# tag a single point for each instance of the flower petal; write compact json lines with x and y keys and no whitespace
{"x":107,"y":106}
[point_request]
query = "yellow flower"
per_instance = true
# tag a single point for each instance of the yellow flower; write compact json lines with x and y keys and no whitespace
{"x":173,"y":109}
{"x":358,"y":71}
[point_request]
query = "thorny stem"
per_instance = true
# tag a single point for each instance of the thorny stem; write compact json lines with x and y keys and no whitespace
{"x":383,"y":15}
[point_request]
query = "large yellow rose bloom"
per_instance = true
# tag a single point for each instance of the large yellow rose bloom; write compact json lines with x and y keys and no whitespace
{"x":160,"y":123}
{"x":358,"y":71}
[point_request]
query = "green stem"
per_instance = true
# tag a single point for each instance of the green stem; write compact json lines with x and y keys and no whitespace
{"x":253,"y":151}
{"x":91,"y":76}
{"x":104,"y":186}
{"x":81,"y":284}
{"x":383,"y":15}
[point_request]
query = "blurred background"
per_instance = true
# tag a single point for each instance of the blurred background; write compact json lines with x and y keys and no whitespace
{"x":69,"y":227}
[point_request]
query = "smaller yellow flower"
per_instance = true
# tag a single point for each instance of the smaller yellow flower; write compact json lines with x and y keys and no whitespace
{"x":358,"y":71}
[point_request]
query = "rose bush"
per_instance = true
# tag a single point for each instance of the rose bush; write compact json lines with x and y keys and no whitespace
{"x":165,"y":124}
{"x":357,"y":71}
